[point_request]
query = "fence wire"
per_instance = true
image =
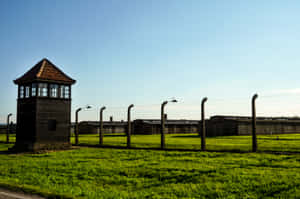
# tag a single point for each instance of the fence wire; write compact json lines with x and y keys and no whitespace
{"x":276,"y":105}
{"x":267,"y":105}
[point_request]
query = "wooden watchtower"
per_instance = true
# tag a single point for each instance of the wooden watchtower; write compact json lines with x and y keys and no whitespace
{"x":43,"y":108}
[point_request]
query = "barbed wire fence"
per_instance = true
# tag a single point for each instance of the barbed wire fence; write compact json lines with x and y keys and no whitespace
{"x":267,"y":105}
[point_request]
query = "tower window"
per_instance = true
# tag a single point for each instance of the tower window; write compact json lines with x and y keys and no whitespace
{"x":33,"y":90}
{"x":43,"y":90}
{"x":67,"y":92}
{"x":27,"y":91}
{"x":62,"y":91}
{"x":21,"y":91}
{"x":53,"y":90}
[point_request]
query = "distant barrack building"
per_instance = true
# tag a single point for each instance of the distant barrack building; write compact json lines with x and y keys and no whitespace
{"x":140,"y":126}
{"x":92,"y":127}
{"x":215,"y":126}
{"x":238,"y":125}
{"x":152,"y":126}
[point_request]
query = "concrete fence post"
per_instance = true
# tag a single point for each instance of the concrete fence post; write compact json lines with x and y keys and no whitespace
{"x":203,"y":130}
{"x":162,"y":126}
{"x":7,"y":128}
{"x":76,"y":125}
{"x":129,"y":126}
{"x":101,"y":126}
{"x":254,"y":139}
{"x":76,"y":122}
{"x":163,"y":117}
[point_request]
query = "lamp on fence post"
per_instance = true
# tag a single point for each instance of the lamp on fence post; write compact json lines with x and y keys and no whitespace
{"x":162,"y":128}
{"x":203,"y":130}
{"x":129,"y":126}
{"x":76,"y":122}
{"x":101,"y":126}
{"x":254,"y":140}
{"x":7,"y":128}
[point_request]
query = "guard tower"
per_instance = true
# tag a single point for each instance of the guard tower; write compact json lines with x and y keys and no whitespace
{"x":44,"y":108}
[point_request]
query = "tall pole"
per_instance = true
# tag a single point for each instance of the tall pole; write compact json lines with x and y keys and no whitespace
{"x":7,"y":128}
{"x":101,"y":126}
{"x":254,"y":139}
{"x":76,"y":125}
{"x":162,"y":128}
{"x":129,"y":126}
{"x":203,"y":130}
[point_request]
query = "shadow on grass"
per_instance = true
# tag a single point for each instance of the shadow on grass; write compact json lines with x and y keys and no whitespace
{"x":214,"y":137}
{"x":4,"y":142}
{"x":112,"y":135}
{"x":280,"y":139}
{"x":190,"y":150}
{"x":159,"y":149}
{"x":105,"y":135}
{"x":7,"y":152}
{"x":185,"y":136}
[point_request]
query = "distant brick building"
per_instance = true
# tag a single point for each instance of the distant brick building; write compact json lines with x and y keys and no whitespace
{"x":215,"y":126}
{"x":237,"y":125}
{"x":152,"y":126}
{"x":140,"y":126}
{"x":92,"y":127}
{"x":44,"y":108}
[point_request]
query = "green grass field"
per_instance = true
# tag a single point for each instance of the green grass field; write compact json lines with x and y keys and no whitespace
{"x":279,"y":143}
{"x":276,"y":143}
{"x":120,"y":173}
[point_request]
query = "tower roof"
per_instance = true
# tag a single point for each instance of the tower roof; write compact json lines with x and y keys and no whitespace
{"x":44,"y":70}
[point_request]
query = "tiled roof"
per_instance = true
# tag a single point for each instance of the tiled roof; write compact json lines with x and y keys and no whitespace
{"x":44,"y":70}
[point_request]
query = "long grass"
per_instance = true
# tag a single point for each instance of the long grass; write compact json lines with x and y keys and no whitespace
{"x":276,"y":143}
{"x":120,"y":173}
{"x":117,"y":173}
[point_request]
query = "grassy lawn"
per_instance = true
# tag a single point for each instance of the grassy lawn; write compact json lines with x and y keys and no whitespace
{"x":117,"y":173}
{"x":277,"y":143}
{"x":284,"y":142}
{"x":121,"y":173}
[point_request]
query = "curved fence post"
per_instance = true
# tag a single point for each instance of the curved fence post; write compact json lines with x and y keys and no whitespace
{"x":203,"y":130}
{"x":101,"y":126}
{"x":76,"y":125}
{"x":162,"y":126}
{"x":7,"y":128}
{"x":129,"y":126}
{"x":254,"y":139}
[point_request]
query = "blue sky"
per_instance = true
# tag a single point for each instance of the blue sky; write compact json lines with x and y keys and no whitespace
{"x":147,"y":51}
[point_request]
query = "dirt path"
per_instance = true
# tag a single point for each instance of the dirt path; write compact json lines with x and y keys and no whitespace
{"x":7,"y":194}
